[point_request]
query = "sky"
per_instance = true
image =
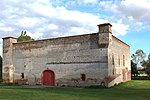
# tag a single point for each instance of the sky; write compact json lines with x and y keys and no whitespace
{"x":43,"y":19}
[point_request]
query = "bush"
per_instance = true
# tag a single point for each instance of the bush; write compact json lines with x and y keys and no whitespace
{"x":8,"y":84}
{"x":141,"y":78}
{"x":1,"y":80}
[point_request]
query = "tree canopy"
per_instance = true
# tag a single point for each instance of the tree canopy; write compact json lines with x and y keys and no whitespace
{"x":138,"y":57}
{"x":146,"y":64}
{"x":134,"y":68}
{"x":24,"y":37}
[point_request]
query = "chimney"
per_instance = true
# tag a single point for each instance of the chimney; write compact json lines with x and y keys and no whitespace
{"x":105,"y":28}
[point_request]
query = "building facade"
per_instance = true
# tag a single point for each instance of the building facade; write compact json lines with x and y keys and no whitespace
{"x":84,"y":60}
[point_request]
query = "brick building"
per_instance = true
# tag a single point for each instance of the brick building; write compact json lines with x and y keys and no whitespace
{"x":83,"y":60}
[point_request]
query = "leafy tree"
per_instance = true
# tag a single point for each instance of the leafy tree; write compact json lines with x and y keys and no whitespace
{"x":138,"y":57}
{"x":146,"y":64}
{"x":24,"y":37}
{"x":0,"y":67}
{"x":134,"y":68}
{"x":147,"y":70}
{"x":149,"y":57}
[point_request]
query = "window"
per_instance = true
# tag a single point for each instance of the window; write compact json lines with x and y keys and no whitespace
{"x":123,"y":60}
{"x":83,"y":77}
{"x":118,"y":60}
{"x":113,"y":62}
{"x":22,"y":75}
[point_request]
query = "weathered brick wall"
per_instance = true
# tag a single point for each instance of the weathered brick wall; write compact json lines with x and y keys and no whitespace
{"x":8,"y":68}
{"x":119,"y":60}
{"x":68,"y":57}
{"x":100,"y":57}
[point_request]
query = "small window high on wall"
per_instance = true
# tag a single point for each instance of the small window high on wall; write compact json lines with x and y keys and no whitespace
{"x":22,"y":75}
{"x":83,"y":77}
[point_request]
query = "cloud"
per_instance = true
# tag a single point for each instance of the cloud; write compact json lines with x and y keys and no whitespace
{"x":131,"y":12}
{"x":120,"y":29}
{"x":51,"y":18}
{"x":6,"y":29}
{"x":138,"y":9}
{"x":36,"y":35}
{"x":89,"y":1}
{"x":52,"y":27}
{"x":27,"y":22}
{"x":80,"y":2}
{"x":41,"y":16}
{"x":133,"y":9}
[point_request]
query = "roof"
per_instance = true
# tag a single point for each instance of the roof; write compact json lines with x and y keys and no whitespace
{"x":120,"y":40}
{"x":9,"y":37}
{"x":140,"y":68}
{"x":104,"y":24}
{"x":65,"y":37}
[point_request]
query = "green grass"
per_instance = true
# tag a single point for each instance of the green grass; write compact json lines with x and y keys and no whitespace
{"x":8,"y":84}
{"x":132,"y":90}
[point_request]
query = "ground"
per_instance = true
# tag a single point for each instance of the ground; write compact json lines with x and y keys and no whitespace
{"x":132,"y":90}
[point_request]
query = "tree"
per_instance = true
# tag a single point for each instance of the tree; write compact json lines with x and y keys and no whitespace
{"x":146,"y":64}
{"x":149,"y":57}
{"x":134,"y":71}
{"x":138,"y":57}
{"x":0,"y":67}
{"x":24,"y":37}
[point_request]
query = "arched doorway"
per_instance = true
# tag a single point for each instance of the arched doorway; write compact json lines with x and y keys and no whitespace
{"x":48,"y":78}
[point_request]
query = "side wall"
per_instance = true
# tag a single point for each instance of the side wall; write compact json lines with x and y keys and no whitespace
{"x":119,"y":61}
{"x":67,"y":57}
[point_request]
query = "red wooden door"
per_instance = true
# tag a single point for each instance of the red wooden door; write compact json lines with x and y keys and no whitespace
{"x":48,"y":78}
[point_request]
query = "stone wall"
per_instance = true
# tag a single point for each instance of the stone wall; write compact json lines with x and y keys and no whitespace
{"x":67,"y":57}
{"x":119,"y":61}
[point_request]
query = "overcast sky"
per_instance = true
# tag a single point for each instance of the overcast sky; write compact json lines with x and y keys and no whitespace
{"x":57,"y":18}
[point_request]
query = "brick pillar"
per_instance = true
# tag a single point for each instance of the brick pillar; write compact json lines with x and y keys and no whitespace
{"x":8,"y":67}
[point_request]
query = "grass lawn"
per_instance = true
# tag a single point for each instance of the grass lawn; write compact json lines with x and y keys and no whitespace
{"x":132,"y":90}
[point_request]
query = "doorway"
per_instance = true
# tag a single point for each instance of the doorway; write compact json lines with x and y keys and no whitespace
{"x":48,"y":78}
